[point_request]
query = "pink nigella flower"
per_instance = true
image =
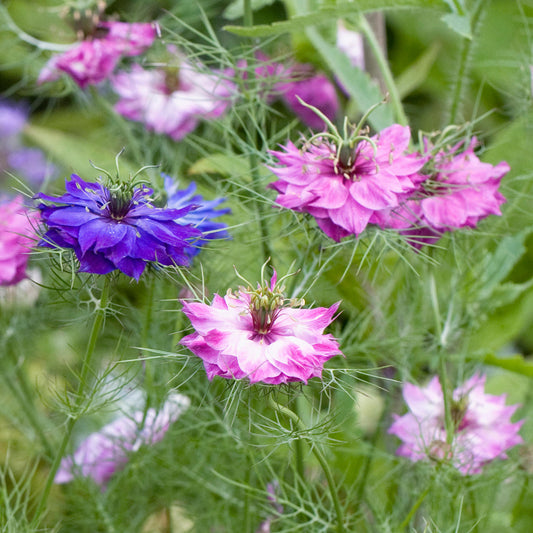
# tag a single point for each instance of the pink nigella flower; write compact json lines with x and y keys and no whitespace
{"x":104,"y":452}
{"x":260,"y":335}
{"x":344,"y":183}
{"x":459,"y":192}
{"x":482,"y":425}
{"x":17,"y":236}
{"x":94,"y":59}
{"x":172,"y":101}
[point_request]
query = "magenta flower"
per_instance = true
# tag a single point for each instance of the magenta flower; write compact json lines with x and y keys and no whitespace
{"x":17,"y":236}
{"x":94,"y":59}
{"x":259,"y":335}
{"x":172,"y":102}
{"x":459,"y":191}
{"x":106,"y":451}
{"x":482,"y":426}
{"x":462,"y":190}
{"x":344,"y":186}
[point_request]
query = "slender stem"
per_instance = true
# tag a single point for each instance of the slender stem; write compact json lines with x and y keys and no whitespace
{"x":383,"y":65}
{"x":414,"y":509}
{"x":248,"y":13}
{"x":263,"y":229}
{"x":298,"y":446}
{"x":74,"y":416}
{"x":321,"y":460}
{"x":148,"y":369}
{"x":463,"y":64}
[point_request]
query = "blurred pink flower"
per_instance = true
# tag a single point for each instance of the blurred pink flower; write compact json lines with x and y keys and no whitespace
{"x":483,"y":430}
{"x":104,"y":452}
{"x":259,"y":335}
{"x":94,"y":59}
{"x":344,"y":189}
{"x":174,"y":101}
{"x":17,"y":236}
{"x":293,"y":81}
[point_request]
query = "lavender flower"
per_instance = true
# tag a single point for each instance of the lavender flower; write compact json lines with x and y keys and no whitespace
{"x":172,"y":101}
{"x":261,"y":336}
{"x":482,"y":427}
{"x":106,"y":451}
{"x":29,"y":163}
{"x":201,"y":217}
{"x":115,"y":228}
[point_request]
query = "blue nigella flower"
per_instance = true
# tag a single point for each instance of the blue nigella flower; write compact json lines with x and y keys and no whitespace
{"x":201,"y":217}
{"x":116,"y":228}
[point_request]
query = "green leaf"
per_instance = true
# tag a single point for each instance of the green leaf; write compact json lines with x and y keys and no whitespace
{"x":417,"y":72}
{"x":75,"y":152}
{"x":358,"y":83}
{"x":502,"y":261}
{"x":224,"y":164}
{"x":236,"y":8}
{"x":327,"y":14}
{"x":514,"y":363}
{"x":460,"y":24}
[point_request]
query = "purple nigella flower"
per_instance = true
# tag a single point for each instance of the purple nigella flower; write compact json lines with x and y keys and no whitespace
{"x":17,"y":236}
{"x":29,"y":163}
{"x":111,"y":229}
{"x":201,"y":217}
{"x":259,"y":335}
{"x":104,"y":452}
{"x":172,"y":101}
{"x":482,"y":427}
{"x":344,"y":186}
{"x":94,"y":59}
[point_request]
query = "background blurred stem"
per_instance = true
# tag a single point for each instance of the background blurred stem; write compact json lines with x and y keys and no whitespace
{"x":75,"y":415}
{"x":379,"y":54}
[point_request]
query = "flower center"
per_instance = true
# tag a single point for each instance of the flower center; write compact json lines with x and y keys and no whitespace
{"x":458,"y":412}
{"x":118,"y":204}
{"x":265,"y":305}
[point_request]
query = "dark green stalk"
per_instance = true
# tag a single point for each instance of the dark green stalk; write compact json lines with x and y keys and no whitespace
{"x":248,"y":13}
{"x":321,"y":460}
{"x":73,"y":418}
{"x":463,"y":65}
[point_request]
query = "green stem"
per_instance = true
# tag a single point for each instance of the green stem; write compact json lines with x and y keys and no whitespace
{"x":263,"y":229}
{"x":248,"y":13}
{"x":298,"y":445}
{"x":463,"y":64}
{"x":148,"y":370}
{"x":321,"y":460}
{"x":383,"y":66}
{"x":75,"y":415}
{"x":414,"y":509}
